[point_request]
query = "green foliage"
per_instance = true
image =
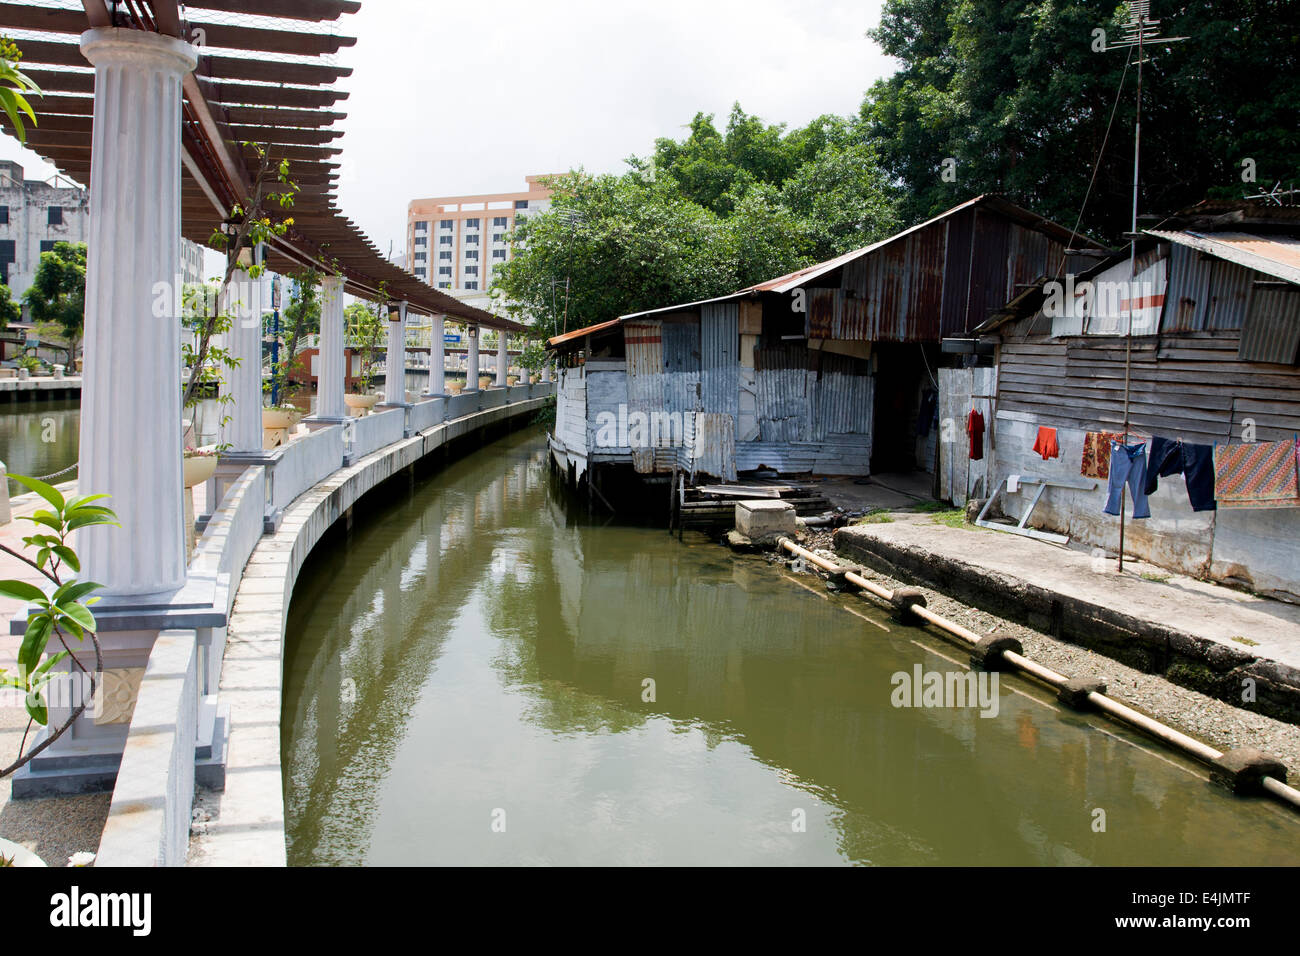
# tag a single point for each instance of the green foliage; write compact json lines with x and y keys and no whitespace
{"x":702,"y":217}
{"x":14,"y":85}
{"x":363,"y":323}
{"x":532,"y":356}
{"x":301,"y":317}
{"x":200,"y":314}
{"x":10,"y":311}
{"x":57,"y":298}
{"x":64,"y":611}
{"x":1015,"y":93}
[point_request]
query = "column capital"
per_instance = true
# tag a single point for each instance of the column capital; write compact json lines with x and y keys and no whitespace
{"x":103,"y":46}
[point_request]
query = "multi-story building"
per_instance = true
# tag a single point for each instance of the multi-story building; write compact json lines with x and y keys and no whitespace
{"x":34,"y":215}
{"x":455,"y":243}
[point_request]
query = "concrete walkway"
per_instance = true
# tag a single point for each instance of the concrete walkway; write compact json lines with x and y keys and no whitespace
{"x":1197,"y":634}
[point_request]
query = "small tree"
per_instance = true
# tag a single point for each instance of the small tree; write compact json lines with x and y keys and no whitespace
{"x":301,"y":317}
{"x":57,"y":298}
{"x":10,"y":311}
{"x":364,"y":321}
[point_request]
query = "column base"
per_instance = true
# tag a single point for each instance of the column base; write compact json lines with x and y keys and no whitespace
{"x":316,"y":422}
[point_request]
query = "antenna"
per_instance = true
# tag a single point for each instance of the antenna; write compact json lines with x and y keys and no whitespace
{"x":1140,"y":30}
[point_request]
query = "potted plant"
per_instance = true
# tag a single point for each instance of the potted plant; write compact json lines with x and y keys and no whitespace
{"x":485,"y":381}
{"x":454,"y":385}
{"x":359,"y":399}
{"x":200,"y":465}
{"x":531,"y":358}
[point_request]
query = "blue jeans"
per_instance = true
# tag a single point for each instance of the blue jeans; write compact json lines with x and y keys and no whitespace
{"x":1128,"y":465}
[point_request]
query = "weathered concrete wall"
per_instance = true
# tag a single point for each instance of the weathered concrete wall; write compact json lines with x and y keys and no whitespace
{"x":248,"y":829}
{"x":428,"y":413}
{"x":149,"y":819}
{"x":372,"y":432}
{"x":303,"y":462}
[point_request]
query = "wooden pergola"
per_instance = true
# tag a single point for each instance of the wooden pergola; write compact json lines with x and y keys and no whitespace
{"x":270,"y":85}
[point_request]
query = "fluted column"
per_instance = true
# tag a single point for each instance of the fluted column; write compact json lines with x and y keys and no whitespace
{"x":503,"y":357}
{"x":131,"y":399}
{"x":471,"y":366}
{"x":437,"y":358}
{"x":546,"y":369}
{"x":330,"y":376}
{"x":243,"y":433}
{"x":395,"y":364}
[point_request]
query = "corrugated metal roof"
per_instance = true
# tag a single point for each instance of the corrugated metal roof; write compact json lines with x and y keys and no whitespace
{"x":1277,"y":256}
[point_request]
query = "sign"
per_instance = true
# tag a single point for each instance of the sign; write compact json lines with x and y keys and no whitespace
{"x":451,"y":338}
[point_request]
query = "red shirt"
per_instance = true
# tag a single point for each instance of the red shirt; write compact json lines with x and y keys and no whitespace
{"x":975,"y":429}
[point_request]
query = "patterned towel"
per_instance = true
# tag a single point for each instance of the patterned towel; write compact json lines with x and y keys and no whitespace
{"x":1259,"y":475}
{"x":1096,"y":453}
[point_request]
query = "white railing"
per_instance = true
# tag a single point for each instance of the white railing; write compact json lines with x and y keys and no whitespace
{"x":373,"y":432}
{"x":426,"y":414}
{"x":303,"y":462}
{"x":149,"y":818}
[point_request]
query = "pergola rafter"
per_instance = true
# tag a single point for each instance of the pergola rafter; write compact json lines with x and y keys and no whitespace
{"x":253,"y":84}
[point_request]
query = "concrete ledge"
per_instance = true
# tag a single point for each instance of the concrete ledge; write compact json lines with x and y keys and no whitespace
{"x":248,"y":825}
{"x":1125,"y":619}
{"x":149,"y":819}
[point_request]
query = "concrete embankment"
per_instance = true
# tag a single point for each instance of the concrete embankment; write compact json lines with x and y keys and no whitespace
{"x":1236,"y":647}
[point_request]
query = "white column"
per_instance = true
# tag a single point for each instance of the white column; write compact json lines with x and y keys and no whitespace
{"x":471,"y":368}
{"x":329,"y":363}
{"x":546,"y":369}
{"x":395,"y":365}
{"x":437,"y":358}
{"x":503,"y":357}
{"x":131,"y":395}
{"x":244,"y":384}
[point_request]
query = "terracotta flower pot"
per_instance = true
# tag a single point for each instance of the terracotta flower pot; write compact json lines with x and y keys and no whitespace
{"x":199,"y":468}
{"x":455,"y":386}
{"x":485,"y":381}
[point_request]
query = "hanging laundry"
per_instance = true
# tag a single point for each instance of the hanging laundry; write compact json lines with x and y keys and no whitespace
{"x":1258,"y":475}
{"x":1096,"y":454}
{"x":1173,"y":456}
{"x":1128,"y":466}
{"x":975,"y":429}
{"x":1046,"y":444}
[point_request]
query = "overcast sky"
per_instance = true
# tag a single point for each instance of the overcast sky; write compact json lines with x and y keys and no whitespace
{"x":467,"y":97}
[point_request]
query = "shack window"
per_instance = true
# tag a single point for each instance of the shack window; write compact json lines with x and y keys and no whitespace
{"x":56,"y":215}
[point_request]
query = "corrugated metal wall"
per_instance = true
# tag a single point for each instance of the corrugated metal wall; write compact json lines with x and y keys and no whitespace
{"x":719,"y":358}
{"x":1205,"y":294}
{"x":781,"y":376}
{"x":645,"y":379}
{"x":1272,"y":329}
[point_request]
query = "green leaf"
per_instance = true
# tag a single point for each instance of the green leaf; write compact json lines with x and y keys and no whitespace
{"x":78,"y":614}
{"x":36,"y":708}
{"x":82,"y":500}
{"x":48,"y":492}
{"x":42,"y":674}
{"x":80,"y":520}
{"x":46,"y":518}
{"x":73,"y":591}
{"x":68,"y":556}
{"x":21,"y":591}
{"x":39,"y":629}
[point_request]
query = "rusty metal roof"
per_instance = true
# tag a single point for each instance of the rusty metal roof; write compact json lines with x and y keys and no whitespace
{"x":583,"y":333}
{"x":265,"y":74}
{"x":1278,"y":256}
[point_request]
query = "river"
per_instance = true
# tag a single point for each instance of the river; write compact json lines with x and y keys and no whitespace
{"x":466,"y":683}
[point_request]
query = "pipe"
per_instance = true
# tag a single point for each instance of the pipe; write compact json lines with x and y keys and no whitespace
{"x":1107,"y":705}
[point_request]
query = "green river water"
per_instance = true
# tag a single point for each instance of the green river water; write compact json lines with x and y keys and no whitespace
{"x":465,"y":684}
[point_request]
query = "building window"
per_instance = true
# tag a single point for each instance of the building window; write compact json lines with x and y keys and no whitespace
{"x":421,"y":240}
{"x":56,"y":215}
{"x":444,"y":240}
{"x":444,"y":285}
{"x":498,"y":253}
{"x":4,"y":215}
{"x":471,"y":240}
{"x":6,"y":259}
{"x":444,"y":270}
{"x":521,"y":203}
{"x":471,"y":223}
{"x":499,"y":237}
{"x":419,"y":272}
{"x":471,"y":270}
{"x":471,"y":254}
{"x":422,"y":227}
{"x":500,"y":222}
{"x":471,"y":285}
{"x":47,"y":245}
{"x":445,"y":256}
{"x":420,"y":257}
{"x":444,"y":223}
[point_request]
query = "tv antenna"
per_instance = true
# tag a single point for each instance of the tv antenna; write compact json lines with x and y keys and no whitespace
{"x":1140,"y":31}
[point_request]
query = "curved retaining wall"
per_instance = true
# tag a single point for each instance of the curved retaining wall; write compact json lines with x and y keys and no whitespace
{"x":246,"y":825}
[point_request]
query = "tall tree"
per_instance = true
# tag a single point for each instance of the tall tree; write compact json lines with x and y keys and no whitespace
{"x":1019,"y":93}
{"x":57,"y":298}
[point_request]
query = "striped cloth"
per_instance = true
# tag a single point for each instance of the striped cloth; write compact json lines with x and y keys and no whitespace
{"x":1262,"y":474}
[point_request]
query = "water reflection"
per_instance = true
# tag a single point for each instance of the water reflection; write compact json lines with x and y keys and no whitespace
{"x":478,"y":652}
